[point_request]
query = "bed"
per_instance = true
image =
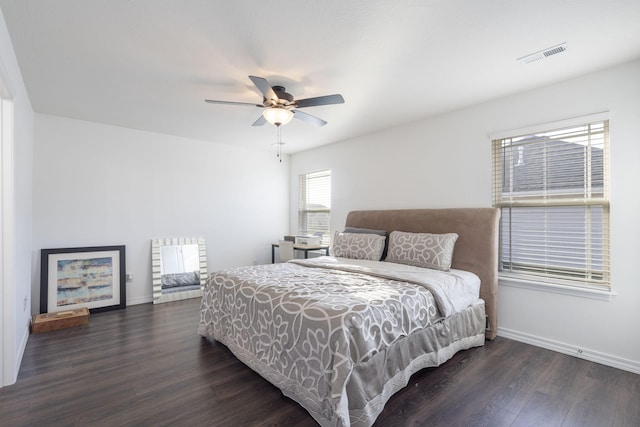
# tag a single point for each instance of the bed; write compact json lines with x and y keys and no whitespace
{"x":341,"y":334}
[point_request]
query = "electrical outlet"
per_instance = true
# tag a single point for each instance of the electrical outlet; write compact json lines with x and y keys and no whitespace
{"x":24,"y":303}
{"x":129,"y":277}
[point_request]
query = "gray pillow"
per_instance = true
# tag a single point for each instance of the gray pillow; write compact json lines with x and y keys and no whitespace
{"x":358,"y":246}
{"x":422,"y":249}
{"x":365,"y":231}
{"x":370,"y":231}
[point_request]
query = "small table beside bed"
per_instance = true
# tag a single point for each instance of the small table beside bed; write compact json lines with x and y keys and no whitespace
{"x":305,"y":249}
{"x":341,"y":334}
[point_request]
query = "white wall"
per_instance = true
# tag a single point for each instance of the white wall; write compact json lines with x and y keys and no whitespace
{"x":98,"y":185}
{"x":16,"y":206}
{"x":445,"y":161}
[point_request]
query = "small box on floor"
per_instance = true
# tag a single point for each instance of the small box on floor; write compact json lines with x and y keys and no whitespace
{"x":60,"y":320}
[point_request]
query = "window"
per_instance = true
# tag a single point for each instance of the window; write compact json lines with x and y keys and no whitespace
{"x":314,"y":208}
{"x":552,"y":188}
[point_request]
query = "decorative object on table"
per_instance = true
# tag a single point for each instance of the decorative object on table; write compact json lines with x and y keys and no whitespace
{"x":89,"y":277}
{"x":179,"y":268}
{"x":308,"y":240}
{"x":60,"y":320}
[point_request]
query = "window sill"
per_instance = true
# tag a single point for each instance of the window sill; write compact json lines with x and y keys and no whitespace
{"x":505,"y":280}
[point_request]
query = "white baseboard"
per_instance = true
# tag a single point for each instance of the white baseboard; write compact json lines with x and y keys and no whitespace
{"x":572,"y":350}
{"x":23,"y":347}
{"x":18,"y":359}
{"x":139,"y":300}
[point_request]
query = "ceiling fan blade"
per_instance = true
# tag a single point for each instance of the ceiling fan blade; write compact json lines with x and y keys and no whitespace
{"x":320,"y":100}
{"x":264,"y":87}
{"x":261,"y":120}
{"x":213,"y":101}
{"x":308,"y":118}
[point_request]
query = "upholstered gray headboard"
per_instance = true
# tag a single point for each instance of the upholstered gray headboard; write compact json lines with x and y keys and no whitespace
{"x":476,"y":249}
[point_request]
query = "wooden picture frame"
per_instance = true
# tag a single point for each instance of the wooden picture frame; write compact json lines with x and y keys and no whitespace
{"x":92,"y":277}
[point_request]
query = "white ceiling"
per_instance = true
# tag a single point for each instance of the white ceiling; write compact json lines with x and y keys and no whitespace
{"x":149,"y":64}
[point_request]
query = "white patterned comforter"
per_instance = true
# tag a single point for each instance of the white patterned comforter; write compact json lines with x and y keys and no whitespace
{"x":306,"y":325}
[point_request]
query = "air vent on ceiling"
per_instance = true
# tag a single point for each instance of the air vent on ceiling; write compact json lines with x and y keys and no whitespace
{"x":543,"y":53}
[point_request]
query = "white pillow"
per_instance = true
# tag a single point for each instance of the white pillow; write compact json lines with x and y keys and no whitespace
{"x":422,"y":249}
{"x":358,"y":246}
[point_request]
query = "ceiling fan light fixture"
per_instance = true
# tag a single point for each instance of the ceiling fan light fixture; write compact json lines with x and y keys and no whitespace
{"x":277,"y":116}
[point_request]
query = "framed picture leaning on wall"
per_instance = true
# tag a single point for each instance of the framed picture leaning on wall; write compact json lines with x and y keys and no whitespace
{"x":91,"y":277}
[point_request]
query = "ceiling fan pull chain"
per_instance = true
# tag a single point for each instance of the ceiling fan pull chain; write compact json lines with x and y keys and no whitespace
{"x":279,"y":144}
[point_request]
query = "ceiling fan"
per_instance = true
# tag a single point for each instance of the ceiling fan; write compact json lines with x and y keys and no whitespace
{"x":279,"y":107}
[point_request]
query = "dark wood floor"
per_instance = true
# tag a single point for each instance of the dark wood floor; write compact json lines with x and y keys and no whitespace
{"x":146,"y":366}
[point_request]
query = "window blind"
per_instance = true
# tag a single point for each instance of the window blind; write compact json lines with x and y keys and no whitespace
{"x":314,"y":208}
{"x":552,"y":189}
